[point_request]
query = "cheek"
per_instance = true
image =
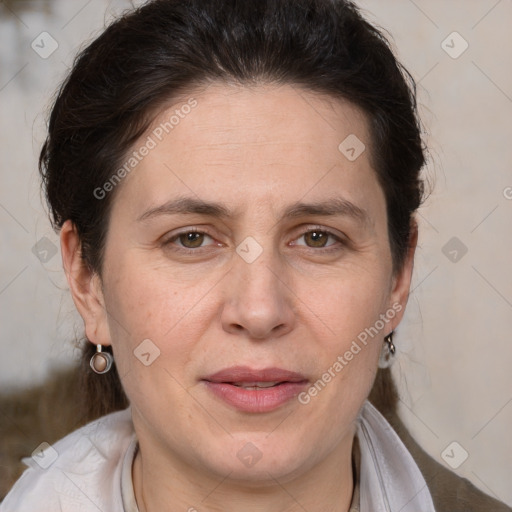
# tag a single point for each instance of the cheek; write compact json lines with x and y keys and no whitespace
{"x":170,"y":309}
{"x":348,"y":313}
{"x":348,"y":302}
{"x":147,"y":301}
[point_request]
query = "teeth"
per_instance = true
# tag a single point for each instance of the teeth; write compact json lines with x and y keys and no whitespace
{"x":255,"y":385}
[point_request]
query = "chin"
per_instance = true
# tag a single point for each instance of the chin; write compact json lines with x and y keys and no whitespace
{"x":256,"y":460}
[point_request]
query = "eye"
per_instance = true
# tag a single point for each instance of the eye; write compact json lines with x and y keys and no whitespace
{"x":190,"y":239}
{"x":317,"y":239}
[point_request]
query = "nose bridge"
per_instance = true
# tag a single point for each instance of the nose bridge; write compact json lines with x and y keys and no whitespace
{"x":259,"y":276}
{"x":258,"y":300}
{"x":256,"y":267}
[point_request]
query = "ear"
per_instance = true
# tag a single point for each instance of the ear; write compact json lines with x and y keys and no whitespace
{"x":401,"y":283}
{"x":85,"y":286}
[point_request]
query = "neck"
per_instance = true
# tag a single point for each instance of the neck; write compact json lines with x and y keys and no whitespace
{"x":163,"y":483}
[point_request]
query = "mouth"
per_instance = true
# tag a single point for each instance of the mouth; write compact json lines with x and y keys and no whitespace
{"x":255,"y":391}
{"x":256,"y":385}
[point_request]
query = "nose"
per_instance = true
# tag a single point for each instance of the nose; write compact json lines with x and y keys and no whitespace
{"x":258,"y":302}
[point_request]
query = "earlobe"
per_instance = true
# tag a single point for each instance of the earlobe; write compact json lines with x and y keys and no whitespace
{"x":85,"y":286}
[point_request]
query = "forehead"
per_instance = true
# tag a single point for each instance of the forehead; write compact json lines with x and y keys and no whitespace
{"x":254,"y":142}
{"x":245,"y":116}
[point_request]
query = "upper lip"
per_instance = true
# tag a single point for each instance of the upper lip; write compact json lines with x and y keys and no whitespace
{"x":242,"y":374}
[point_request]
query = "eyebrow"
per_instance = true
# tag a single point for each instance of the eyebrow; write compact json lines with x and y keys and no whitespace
{"x":189,"y":205}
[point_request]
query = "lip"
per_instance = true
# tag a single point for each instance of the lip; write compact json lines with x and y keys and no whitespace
{"x":222,"y":384}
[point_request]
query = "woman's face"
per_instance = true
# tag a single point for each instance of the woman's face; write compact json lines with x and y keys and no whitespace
{"x":246,"y":241}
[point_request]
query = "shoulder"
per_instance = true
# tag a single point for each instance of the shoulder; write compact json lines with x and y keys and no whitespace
{"x":450,"y":492}
{"x":81,"y":472}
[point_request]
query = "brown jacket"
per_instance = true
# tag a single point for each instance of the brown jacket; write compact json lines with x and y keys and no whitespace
{"x":450,"y":492}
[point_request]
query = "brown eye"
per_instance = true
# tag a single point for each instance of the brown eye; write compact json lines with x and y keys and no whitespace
{"x":191,"y":240}
{"x":316,"y":238}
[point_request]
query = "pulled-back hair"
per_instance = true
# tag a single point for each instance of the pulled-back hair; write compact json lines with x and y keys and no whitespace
{"x":147,"y":57}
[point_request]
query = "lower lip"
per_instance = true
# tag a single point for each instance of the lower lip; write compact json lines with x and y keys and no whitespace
{"x":253,"y":400}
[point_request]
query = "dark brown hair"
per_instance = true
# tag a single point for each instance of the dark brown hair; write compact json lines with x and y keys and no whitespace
{"x":121,"y":80}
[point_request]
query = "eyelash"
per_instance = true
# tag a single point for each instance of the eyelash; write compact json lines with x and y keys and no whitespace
{"x":328,"y":249}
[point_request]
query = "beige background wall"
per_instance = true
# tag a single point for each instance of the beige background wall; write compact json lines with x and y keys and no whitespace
{"x":454,"y":366}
